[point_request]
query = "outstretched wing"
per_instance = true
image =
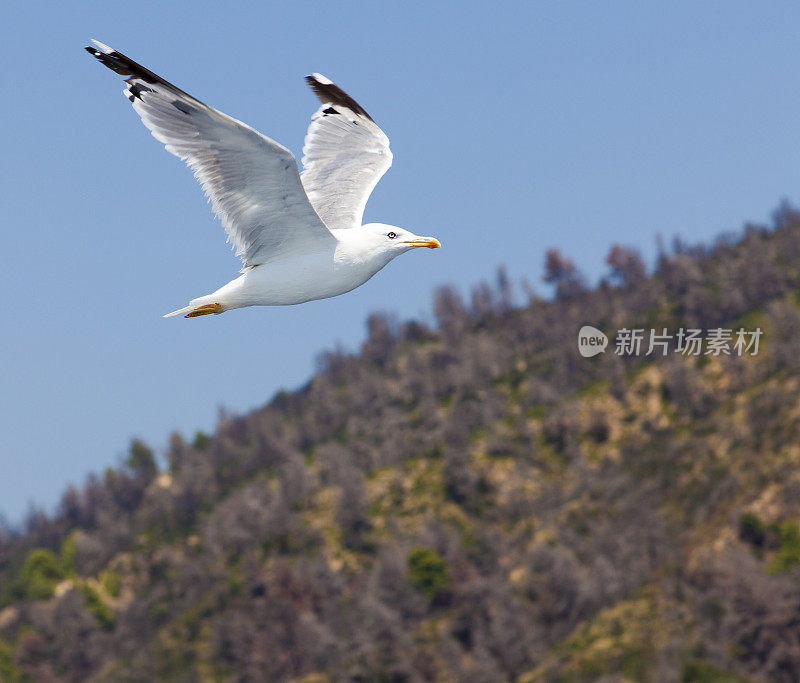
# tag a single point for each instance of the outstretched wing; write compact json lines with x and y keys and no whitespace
{"x":252,"y":181}
{"x":344,"y":156}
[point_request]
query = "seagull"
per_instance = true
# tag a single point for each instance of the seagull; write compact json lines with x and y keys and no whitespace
{"x":299,"y":234}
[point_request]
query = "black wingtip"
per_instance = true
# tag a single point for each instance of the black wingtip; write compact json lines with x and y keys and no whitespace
{"x":119,"y":63}
{"x":125,"y":66}
{"x":330,"y":93}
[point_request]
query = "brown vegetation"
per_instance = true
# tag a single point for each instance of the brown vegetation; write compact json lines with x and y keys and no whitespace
{"x":475,"y":502}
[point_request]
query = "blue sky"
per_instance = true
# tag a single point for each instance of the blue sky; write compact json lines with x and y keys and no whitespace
{"x":514,"y":127}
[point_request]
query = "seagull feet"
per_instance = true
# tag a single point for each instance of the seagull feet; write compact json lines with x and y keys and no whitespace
{"x":207,"y":309}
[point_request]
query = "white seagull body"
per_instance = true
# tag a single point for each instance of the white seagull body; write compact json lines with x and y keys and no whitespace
{"x":299,"y":235}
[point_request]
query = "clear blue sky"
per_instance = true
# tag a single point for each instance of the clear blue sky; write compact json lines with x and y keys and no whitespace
{"x":514,"y":128}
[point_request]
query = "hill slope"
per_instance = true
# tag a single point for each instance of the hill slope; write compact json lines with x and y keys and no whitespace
{"x":475,"y":503}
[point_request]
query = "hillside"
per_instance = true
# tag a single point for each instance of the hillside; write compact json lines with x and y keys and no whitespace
{"x":474,"y":503}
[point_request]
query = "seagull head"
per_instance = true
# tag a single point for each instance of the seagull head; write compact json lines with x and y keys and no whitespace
{"x":393,"y":241}
{"x":373,"y":245}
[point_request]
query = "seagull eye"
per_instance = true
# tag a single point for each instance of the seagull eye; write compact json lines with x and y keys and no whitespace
{"x":392,"y":235}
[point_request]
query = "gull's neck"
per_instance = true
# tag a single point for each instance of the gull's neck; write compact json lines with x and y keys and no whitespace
{"x":358,"y":247}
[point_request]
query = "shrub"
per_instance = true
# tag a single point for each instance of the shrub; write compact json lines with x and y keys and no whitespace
{"x":141,"y":460}
{"x":38,"y":576}
{"x":751,"y":529}
{"x":8,"y":670}
{"x":110,"y":582}
{"x":788,"y":555}
{"x":698,"y":671}
{"x":427,"y":571}
{"x":97,"y":608}
{"x":599,"y":429}
{"x":68,"y":553}
{"x":201,"y":440}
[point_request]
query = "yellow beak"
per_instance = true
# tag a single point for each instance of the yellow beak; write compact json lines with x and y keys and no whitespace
{"x":430,"y":242}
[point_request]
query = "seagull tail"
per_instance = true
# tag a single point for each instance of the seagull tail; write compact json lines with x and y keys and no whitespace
{"x":185,"y":309}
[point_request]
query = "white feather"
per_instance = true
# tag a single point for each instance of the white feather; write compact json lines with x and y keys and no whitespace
{"x":344,"y":157}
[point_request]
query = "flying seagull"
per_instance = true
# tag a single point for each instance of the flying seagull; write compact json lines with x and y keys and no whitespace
{"x":299,"y":234}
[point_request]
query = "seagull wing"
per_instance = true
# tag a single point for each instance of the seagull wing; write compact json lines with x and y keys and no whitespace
{"x":252,"y":181}
{"x":344,"y":156}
